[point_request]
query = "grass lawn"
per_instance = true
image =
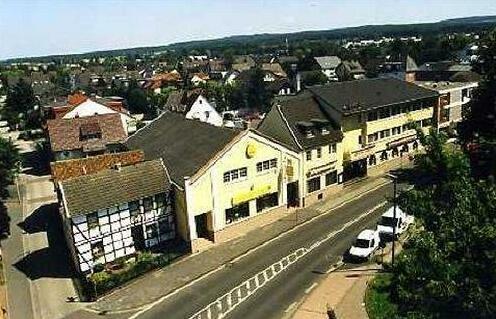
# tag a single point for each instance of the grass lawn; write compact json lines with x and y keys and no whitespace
{"x":377,"y":301}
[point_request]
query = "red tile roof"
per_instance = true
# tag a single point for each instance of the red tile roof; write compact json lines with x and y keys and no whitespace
{"x":66,"y":134}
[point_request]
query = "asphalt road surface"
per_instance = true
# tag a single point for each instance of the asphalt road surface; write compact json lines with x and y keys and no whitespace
{"x":279,"y":294}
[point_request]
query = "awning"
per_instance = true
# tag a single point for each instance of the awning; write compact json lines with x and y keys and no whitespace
{"x":252,"y":194}
{"x":402,"y":141}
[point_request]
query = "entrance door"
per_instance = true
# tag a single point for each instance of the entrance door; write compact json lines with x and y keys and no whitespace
{"x":292,"y":190}
{"x":138,"y":237}
{"x":201,"y":226}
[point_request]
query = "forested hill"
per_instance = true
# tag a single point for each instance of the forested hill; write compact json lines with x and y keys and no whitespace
{"x":467,"y":24}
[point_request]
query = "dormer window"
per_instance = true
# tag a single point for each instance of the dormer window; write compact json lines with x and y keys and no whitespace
{"x":90,"y":131}
{"x":306,"y":128}
{"x":324,"y":131}
{"x":309,"y":133}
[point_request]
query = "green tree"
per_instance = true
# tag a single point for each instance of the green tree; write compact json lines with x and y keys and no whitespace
{"x":478,"y":130}
{"x":314,"y":77}
{"x":9,"y":167}
{"x":448,"y":269}
{"x":20,"y":105}
{"x":257,"y":95}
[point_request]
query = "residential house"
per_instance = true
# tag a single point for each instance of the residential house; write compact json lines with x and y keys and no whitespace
{"x":221,"y":176}
{"x":243,"y":63}
{"x":85,"y":136}
{"x":116,"y":212}
{"x":275,"y":70}
{"x":78,"y":105}
{"x":328,"y":65}
{"x":199,"y":78}
{"x":445,"y":71}
{"x":453,"y":98}
{"x":402,"y":70}
{"x":203,"y":110}
{"x":163,"y":80}
{"x":350,"y":70}
{"x":300,"y":122}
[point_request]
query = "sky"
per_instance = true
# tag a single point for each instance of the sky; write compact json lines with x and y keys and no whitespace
{"x":45,"y":27}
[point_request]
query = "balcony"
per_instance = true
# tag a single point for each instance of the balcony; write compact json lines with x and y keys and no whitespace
{"x":397,"y":120}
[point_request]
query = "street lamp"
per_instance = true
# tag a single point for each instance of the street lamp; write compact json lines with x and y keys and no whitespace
{"x":395,"y":182}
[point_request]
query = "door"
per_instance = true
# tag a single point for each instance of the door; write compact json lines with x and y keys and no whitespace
{"x":138,"y":237}
{"x":201,"y":226}
{"x":292,"y":193}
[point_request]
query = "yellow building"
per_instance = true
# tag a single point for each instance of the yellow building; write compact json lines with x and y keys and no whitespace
{"x":222,"y":176}
{"x":299,"y":122}
{"x":374,"y":117}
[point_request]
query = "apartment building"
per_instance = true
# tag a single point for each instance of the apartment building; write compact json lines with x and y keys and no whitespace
{"x":222,"y":177}
{"x":453,"y":96}
{"x":115,"y":212}
{"x":376,"y":117}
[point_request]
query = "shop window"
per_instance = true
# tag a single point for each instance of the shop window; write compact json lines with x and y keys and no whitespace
{"x":384,"y":156}
{"x":97,"y":249}
{"x":313,"y":184}
{"x":164,"y":227}
{"x":267,"y":201}
{"x":331,"y":178}
{"x":237,"y":212}
{"x":92,"y":220}
{"x":372,"y":160}
{"x":395,"y":152}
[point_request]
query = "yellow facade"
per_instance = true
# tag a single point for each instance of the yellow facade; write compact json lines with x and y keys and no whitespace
{"x":208,"y":193}
{"x":320,"y":166}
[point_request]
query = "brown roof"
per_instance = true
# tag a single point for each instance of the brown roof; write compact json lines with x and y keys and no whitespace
{"x":69,"y":134}
{"x":274,"y":68}
{"x":63,"y":170}
{"x":110,"y":187}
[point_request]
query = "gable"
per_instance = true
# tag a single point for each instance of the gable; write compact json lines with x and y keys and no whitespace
{"x":88,"y":108}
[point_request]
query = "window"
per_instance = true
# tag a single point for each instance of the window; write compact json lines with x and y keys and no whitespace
{"x":319,"y":152}
{"x":331,"y":178}
{"x":313,"y":184}
{"x":237,"y":212}
{"x":332,"y":147}
{"x":309,"y":155}
{"x":396,"y":130}
{"x":148,"y":204}
{"x":372,"y":160}
{"x":235,"y":174}
{"x":405,"y":127}
{"x":360,"y":139}
{"x":266,"y":165}
{"x":164,"y":227}
{"x":134,"y":208}
{"x":97,"y":249}
{"x":372,"y":137}
{"x":161,"y":199}
{"x":267,"y":201}
{"x":426,"y":122}
{"x":384,"y":112}
{"x":372,"y":116}
{"x":151,"y":231}
{"x":384,"y":133}
{"x":395,"y":110}
{"x":92,"y":220}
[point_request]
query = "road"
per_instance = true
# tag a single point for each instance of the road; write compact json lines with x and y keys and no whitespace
{"x":281,"y":292}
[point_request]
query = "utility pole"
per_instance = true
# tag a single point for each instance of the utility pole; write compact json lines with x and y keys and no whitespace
{"x":395,"y":182}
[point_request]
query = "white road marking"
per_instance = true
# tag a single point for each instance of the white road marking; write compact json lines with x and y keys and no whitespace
{"x":291,"y":307}
{"x":307,"y":291}
{"x":149,"y":306}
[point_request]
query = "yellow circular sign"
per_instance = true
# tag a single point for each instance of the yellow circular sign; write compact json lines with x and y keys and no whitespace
{"x":250,"y":150}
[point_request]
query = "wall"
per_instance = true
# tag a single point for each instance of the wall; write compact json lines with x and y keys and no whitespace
{"x":209,"y":192}
{"x":203,"y":111}
{"x":113,"y":231}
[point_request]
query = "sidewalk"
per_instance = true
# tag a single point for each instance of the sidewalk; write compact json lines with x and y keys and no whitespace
{"x":343,"y":290}
{"x":162,"y":282}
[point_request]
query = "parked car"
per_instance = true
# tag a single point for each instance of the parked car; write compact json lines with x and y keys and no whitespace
{"x":402,"y":221}
{"x":365,"y":244}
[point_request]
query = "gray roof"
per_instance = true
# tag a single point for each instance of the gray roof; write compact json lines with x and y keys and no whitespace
{"x":445,"y":66}
{"x":110,"y":187}
{"x":328,"y":62}
{"x":184,"y":145}
{"x":363,"y":95}
{"x":301,"y":113}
